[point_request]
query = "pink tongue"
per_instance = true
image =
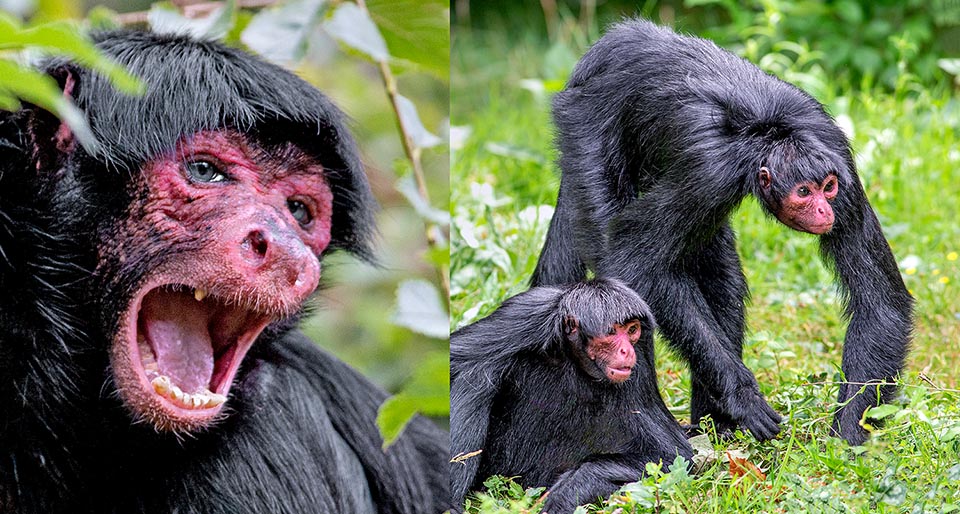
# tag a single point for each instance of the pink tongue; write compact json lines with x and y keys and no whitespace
{"x":175,"y":325}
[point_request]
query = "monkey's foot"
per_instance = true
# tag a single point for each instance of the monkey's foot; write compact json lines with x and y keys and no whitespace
{"x":846,"y":421}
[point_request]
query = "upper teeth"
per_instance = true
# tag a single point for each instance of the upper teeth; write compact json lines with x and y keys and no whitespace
{"x":199,"y":294}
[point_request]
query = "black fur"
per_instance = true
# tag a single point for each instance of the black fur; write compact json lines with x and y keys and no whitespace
{"x":685,"y":126}
{"x":518,"y":395}
{"x":300,"y":435}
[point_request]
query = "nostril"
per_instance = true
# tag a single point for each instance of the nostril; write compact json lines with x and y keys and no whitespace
{"x":256,"y":242}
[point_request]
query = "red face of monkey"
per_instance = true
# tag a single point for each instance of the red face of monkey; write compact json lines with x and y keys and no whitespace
{"x":807,"y":206}
{"x":234,"y":230}
{"x":613,"y":352}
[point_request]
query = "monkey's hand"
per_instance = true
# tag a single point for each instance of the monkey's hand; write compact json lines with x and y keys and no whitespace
{"x":593,"y":479}
{"x":749,"y":409}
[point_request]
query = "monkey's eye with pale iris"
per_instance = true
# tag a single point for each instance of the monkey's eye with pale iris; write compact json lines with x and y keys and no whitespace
{"x":633,"y":328}
{"x":828,"y":188}
{"x":300,"y":212}
{"x":803,"y":191}
{"x":204,"y":172}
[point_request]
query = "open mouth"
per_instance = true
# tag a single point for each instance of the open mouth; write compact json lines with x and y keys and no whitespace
{"x":180,"y":350}
{"x":618,"y":375}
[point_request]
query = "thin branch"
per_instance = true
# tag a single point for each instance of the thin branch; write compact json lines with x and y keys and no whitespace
{"x":433,"y":232}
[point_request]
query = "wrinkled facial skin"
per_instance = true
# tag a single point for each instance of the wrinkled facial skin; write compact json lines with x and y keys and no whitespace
{"x":223,"y":238}
{"x":807,"y":206}
{"x":608,"y":357}
{"x":613,"y":353}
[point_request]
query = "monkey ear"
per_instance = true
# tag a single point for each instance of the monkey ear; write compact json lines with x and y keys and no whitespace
{"x":765,"y":178}
{"x":570,"y":326}
{"x":52,"y":139}
{"x":647,"y":325}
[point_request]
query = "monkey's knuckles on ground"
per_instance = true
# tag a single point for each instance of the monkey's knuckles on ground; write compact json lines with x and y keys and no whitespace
{"x":751,"y":411}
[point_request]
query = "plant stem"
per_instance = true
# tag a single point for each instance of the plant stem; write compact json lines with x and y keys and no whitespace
{"x":433,"y":231}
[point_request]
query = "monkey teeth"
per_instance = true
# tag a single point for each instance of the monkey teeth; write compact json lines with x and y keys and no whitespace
{"x":199,"y":294}
{"x":204,"y":399}
{"x":162,"y":385}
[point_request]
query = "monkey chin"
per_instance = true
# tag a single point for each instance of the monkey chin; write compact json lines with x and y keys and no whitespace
{"x":178,"y":348}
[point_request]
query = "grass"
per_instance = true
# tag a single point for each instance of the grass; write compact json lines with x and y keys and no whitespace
{"x":503,"y":187}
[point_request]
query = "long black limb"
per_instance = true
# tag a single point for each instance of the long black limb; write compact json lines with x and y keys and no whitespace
{"x":649,"y":251}
{"x":879,"y":308}
{"x":717,"y":271}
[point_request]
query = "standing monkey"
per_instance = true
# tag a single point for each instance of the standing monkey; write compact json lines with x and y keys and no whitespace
{"x":661,"y":137}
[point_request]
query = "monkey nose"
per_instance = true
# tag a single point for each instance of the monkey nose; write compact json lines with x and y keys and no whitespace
{"x":283,"y":259}
{"x":255,"y":246}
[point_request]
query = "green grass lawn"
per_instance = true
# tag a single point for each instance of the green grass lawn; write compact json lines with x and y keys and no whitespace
{"x":503,"y":187}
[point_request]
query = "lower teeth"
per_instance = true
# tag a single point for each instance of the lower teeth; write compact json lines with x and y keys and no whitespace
{"x":200,"y":399}
{"x":165,"y":387}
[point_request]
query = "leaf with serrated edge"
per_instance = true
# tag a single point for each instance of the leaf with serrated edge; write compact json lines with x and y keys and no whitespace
{"x":419,"y":308}
{"x":408,"y":188}
{"x":280,"y":34}
{"x":352,"y":26}
{"x":413,"y":126}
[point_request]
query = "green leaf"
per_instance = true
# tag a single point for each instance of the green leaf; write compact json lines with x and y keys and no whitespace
{"x":416,"y":31}
{"x":66,"y":39}
{"x":240,"y":24}
{"x":427,"y":392}
{"x":166,"y":19}
{"x":893,"y":492}
{"x":882,"y":411}
{"x":439,"y":256}
{"x":867,"y":59}
{"x":420,"y":309}
{"x":353,"y":27}
{"x":951,"y":66}
{"x":412,"y":125}
{"x":102,"y":18}
{"x":42,"y":90}
{"x":850,"y":12}
{"x":8,"y":102}
{"x":280,"y":34}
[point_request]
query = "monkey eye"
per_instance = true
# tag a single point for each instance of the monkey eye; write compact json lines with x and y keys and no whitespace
{"x":204,"y":171}
{"x":829,"y":187}
{"x":633,"y":328}
{"x":612,"y":331}
{"x":803,"y":191}
{"x":300,"y":212}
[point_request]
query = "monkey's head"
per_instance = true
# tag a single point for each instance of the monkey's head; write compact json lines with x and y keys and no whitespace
{"x":210,"y":202}
{"x":605,"y":326}
{"x":799,"y":190}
